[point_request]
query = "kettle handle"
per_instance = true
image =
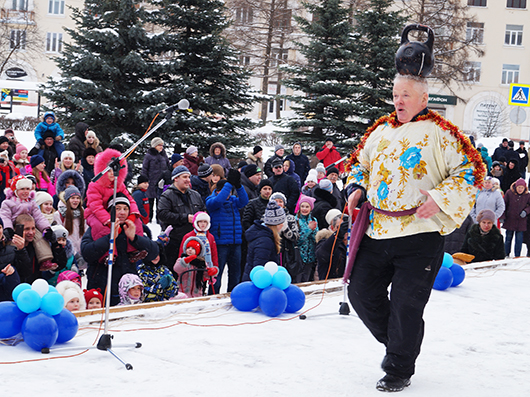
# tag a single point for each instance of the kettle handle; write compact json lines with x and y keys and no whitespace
{"x":417,"y":26}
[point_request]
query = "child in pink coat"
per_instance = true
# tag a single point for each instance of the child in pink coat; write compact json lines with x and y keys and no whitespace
{"x":98,"y":194}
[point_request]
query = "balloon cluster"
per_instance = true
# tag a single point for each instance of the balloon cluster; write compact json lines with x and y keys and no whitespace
{"x":450,"y":274}
{"x":37,"y":312}
{"x":270,"y":289}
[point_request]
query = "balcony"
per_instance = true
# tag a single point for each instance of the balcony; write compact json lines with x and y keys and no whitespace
{"x":17,"y":17}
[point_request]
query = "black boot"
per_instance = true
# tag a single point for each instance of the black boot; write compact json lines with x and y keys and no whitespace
{"x":391,"y":383}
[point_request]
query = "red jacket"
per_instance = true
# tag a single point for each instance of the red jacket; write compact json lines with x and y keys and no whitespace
{"x":329,"y":156}
{"x":211,"y":240}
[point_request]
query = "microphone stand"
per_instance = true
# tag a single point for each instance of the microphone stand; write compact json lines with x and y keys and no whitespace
{"x":105,"y":342}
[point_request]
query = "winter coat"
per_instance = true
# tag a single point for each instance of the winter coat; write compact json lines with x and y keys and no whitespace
{"x":325,"y":201}
{"x":7,"y":172}
{"x":88,"y":172}
{"x":337,"y":193}
{"x":7,"y":283}
{"x":454,"y":240}
{"x":95,"y":253}
{"x":499,"y":152}
{"x":57,"y":172}
{"x":28,"y":267}
{"x":515,"y":204}
{"x":251,"y":159}
{"x":59,"y":219}
{"x":523,"y":160}
{"x":79,"y":182}
{"x":268,"y":165}
{"x":486,"y":157}
{"x":192,"y":163}
{"x":224,"y":212}
{"x":307,"y":242}
{"x":292,"y":173}
{"x":301,"y":163}
{"x":192,"y":283}
{"x":43,"y":127}
{"x":142,"y":202}
{"x":94,"y":145}
{"x":512,"y":155}
{"x":154,"y":165}
{"x":49,"y":154}
{"x":325,"y":239}
{"x":250,"y":188}
{"x":261,"y":248}
{"x":290,"y":234}
{"x":200,"y":186}
{"x":150,"y":274}
{"x":218,"y":159}
{"x":254,"y":211}
{"x":77,"y":144}
{"x":487,"y":247}
{"x":307,"y":191}
{"x":174,"y":207}
{"x":287,"y":185}
{"x":510,"y":176}
{"x":208,"y":241}
{"x":12,"y":207}
{"x":329,"y":156}
{"x":43,"y":185}
{"x":488,"y":200}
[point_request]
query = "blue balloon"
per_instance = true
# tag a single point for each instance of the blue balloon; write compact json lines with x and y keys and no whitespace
{"x":39,"y":330}
{"x":245,"y":296}
{"x":51,"y":288}
{"x":262,"y":279}
{"x":28,"y":301}
{"x":448,"y":260}
{"x":18,"y":289}
{"x":254,"y":270}
{"x":282,"y":269}
{"x":68,"y":326}
{"x":444,"y":279}
{"x":295,"y":298}
{"x":272,"y":301}
{"x":52,"y":303}
{"x":281,"y":280}
{"x":11,"y":319}
{"x":459,"y":274}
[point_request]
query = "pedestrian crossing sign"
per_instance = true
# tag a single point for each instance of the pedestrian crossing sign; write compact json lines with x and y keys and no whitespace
{"x":519,"y":95}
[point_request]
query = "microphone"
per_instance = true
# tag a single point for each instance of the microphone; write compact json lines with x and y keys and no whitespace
{"x":183,"y":104}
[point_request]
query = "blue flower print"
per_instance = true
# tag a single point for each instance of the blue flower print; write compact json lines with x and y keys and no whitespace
{"x":382,"y":191}
{"x":410,"y":158}
{"x":468,"y":176}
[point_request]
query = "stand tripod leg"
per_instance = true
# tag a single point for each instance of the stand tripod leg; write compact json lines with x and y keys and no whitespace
{"x":127,"y":365}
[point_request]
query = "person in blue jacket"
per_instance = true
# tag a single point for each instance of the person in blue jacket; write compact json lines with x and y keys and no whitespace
{"x":223,"y":208}
{"x":49,"y":124}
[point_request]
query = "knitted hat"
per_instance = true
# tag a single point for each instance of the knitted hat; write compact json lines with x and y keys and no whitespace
{"x":3,"y":139}
{"x":329,"y":139}
{"x":251,"y":170}
{"x":195,"y":245}
{"x":204,"y":170}
{"x":276,"y":162}
{"x":312,"y":176}
{"x":89,"y":151}
{"x":320,"y":168}
{"x":175,"y":158}
{"x":120,"y":199}
{"x":93,"y":293}
{"x":274,"y":214}
{"x":278,"y":195}
{"x":32,"y":178}
{"x":60,"y":232}
{"x":486,"y":215}
{"x":70,"y":290}
{"x":20,"y":148}
{"x":520,"y":182}
{"x":179,"y":170}
{"x":9,"y":130}
{"x":278,"y":147}
{"x":156,"y":141}
{"x":91,"y":134}
{"x":325,"y":184}
{"x":510,"y":144}
{"x":332,"y":170}
{"x":142,"y":179}
{"x":242,"y":164}
{"x":71,"y":191}
{"x":201,"y":216}
{"x":257,"y":149}
{"x":42,"y":197}
{"x":332,"y":214}
{"x":5,"y":154}
{"x":68,"y":153}
{"x":305,"y":199}
{"x":522,"y":142}
{"x":36,"y":160}
{"x":263,"y":183}
{"x":48,"y":134}
{"x":20,"y":182}
{"x":191,"y":150}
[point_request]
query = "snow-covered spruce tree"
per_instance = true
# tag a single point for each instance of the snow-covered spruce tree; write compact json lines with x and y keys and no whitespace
{"x":324,"y":84}
{"x":206,"y":70}
{"x":109,"y":76}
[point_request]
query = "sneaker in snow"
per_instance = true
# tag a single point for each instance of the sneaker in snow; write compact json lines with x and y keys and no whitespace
{"x":391,"y":383}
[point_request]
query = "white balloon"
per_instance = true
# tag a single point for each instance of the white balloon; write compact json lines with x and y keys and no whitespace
{"x":271,"y":267}
{"x":40,"y":286}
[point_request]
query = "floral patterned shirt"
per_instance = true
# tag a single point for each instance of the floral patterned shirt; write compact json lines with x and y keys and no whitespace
{"x":394,"y":161}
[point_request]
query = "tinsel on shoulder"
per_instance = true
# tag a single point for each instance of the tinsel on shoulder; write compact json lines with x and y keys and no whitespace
{"x":391,"y":119}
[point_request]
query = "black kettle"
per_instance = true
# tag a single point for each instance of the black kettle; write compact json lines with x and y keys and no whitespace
{"x":415,"y":58}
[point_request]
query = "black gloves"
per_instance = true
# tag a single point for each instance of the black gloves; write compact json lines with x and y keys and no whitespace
{"x":343,"y":229}
{"x":49,"y":235}
{"x":234,"y":178}
{"x":9,"y":233}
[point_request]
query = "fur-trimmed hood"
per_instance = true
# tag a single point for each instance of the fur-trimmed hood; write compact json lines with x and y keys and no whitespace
{"x":203,"y":250}
{"x":323,"y":234}
{"x":218,"y":145}
{"x":101,"y":162}
{"x":79,"y":182}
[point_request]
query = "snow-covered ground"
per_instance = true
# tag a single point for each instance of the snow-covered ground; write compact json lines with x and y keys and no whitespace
{"x":476,"y":344}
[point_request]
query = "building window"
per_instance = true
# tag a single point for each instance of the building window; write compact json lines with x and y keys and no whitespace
{"x":510,"y":74}
{"x":516,"y":4}
{"x":17,"y":40}
{"x":244,"y":60}
{"x":54,"y":42}
{"x":472,"y":72}
{"x":477,"y":3}
{"x":282,"y":18}
{"x":514,"y":35}
{"x":56,"y":7}
{"x":20,"y":5}
{"x":244,"y":15}
{"x":279,"y":57}
{"x":475,"y":32}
